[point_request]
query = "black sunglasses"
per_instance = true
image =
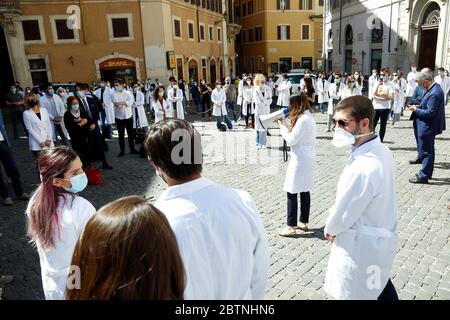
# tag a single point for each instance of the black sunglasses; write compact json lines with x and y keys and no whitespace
{"x":341,"y":123}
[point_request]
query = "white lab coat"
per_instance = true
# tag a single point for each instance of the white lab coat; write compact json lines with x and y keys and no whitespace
{"x":160,"y":109}
{"x":358,"y":88}
{"x":262,"y":104}
{"x":373,"y":80}
{"x":284,"y":93}
{"x":412,"y":84}
{"x":218,"y":99}
{"x":176,"y":97}
{"x":364,"y":221}
{"x":248,"y":99}
{"x":55,"y":262}
{"x":222,"y":243}
{"x":138,"y":109}
{"x":125,"y":112}
{"x":240,"y":93}
{"x":322,"y":91}
{"x":107,"y":104}
{"x":302,"y":139}
{"x":347,"y":92}
{"x":399,"y":95}
{"x":53,"y":113}
{"x":334,"y":95}
{"x":445,"y":85}
{"x":40,"y":130}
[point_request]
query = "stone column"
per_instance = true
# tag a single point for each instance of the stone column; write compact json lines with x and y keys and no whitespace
{"x":15,"y":42}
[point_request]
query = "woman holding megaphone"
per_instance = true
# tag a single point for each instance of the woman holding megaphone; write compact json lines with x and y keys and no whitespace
{"x":300,"y":134}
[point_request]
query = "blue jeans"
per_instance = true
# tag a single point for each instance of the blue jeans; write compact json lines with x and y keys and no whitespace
{"x":231,"y":105}
{"x":198,"y":105}
{"x":261,"y":138}
{"x":426,"y":154}
{"x":226,"y":119}
{"x":323,"y":107}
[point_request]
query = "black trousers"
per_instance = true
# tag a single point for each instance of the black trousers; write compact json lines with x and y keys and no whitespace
{"x":382,"y":114}
{"x":206,"y":104}
{"x":59,"y":130}
{"x":292,"y":208}
{"x":7,"y":158}
{"x":389,"y":293}
{"x":249,"y":109}
{"x":121,"y":126}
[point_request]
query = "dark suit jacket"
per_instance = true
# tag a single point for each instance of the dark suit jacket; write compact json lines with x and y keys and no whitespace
{"x":3,"y":129}
{"x":93,"y":103}
{"x":431,"y":112}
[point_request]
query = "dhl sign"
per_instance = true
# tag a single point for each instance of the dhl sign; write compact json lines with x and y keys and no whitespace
{"x":117,"y":63}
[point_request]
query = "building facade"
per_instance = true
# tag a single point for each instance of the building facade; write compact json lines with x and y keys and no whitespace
{"x":367,"y":34}
{"x":85,"y":40}
{"x":278,"y":35}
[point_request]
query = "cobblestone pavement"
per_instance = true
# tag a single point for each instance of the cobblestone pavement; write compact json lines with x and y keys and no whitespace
{"x":421,"y":268}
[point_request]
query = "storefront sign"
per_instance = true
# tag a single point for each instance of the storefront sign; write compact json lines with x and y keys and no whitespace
{"x":117,"y":63}
{"x":171,"y":63}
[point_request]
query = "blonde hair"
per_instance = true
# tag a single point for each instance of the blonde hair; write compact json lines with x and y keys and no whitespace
{"x":258,"y":79}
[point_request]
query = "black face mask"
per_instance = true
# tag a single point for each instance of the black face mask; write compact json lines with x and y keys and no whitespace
{"x":32,"y":103}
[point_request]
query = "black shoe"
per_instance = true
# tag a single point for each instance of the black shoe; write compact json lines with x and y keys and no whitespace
{"x":106,"y":166}
{"x":418,"y":180}
{"x":134,"y":151}
{"x":121,"y":154}
{"x":416,"y":161}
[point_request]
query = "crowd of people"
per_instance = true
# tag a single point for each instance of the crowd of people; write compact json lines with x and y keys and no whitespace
{"x":185,"y":246}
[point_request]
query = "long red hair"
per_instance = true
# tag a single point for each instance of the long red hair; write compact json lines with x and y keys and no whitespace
{"x":298,"y":104}
{"x":43,"y":218}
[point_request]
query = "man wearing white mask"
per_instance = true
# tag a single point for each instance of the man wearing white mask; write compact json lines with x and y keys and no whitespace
{"x":284,"y":92}
{"x":362,"y":223}
{"x":218,"y":98}
{"x":444,"y":82}
{"x":411,"y":84}
{"x":240,"y":96}
{"x":175,"y":97}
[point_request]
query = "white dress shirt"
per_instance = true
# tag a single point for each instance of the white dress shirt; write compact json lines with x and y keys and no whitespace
{"x":124,"y":112}
{"x":221,"y":239}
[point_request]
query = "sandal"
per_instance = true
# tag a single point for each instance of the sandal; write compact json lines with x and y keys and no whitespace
{"x":288,"y":232}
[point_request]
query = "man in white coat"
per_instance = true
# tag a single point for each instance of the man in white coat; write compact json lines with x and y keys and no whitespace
{"x":219,"y":231}
{"x":323,"y":86}
{"x":362,"y":223}
{"x":411,"y":85}
{"x":103,"y":93}
{"x":218,"y":98}
{"x":175,"y":97}
{"x":444,"y":82}
{"x":373,"y":81}
{"x":55,"y":107}
{"x":284,"y":92}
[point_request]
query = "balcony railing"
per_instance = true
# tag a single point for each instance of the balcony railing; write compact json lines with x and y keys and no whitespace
{"x":10,"y":6}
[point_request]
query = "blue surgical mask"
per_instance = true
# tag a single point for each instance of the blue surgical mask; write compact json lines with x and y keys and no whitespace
{"x":118,"y":88}
{"x":51,"y":92}
{"x":13,"y":90}
{"x":75,"y":107}
{"x":79,"y":183}
{"x":81,"y":94}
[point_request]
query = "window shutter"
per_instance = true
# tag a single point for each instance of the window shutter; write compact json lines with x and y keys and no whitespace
{"x":279,"y":32}
{"x":288,"y":31}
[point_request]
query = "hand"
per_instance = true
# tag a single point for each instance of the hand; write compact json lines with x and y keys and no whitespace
{"x":412,"y":108}
{"x":92,"y":126}
{"x":42,"y":144}
{"x":329,"y":237}
{"x":83,"y":121}
{"x":48,"y":143}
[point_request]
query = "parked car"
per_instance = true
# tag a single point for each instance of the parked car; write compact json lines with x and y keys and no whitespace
{"x":294,"y":76}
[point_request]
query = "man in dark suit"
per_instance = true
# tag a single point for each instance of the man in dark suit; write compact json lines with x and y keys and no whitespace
{"x":430,"y":117}
{"x":92,"y":107}
{"x":7,"y":158}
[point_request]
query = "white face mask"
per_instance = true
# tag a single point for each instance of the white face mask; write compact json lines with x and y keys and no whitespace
{"x":344,"y":138}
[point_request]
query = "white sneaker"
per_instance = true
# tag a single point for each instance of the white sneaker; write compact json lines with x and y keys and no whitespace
{"x":263,"y":147}
{"x":258,"y":147}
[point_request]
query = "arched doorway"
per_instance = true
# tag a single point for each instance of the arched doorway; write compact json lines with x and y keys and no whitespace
{"x":348,"y":62}
{"x":6,"y":76}
{"x":212,"y":71}
{"x":193,"y":70}
{"x":429,"y":30}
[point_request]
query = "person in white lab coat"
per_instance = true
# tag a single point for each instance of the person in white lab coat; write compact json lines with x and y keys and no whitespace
{"x":139,"y":116}
{"x":160,"y":105}
{"x":284,"y":91}
{"x":56,"y":217}
{"x":38,"y":124}
{"x":103,"y":93}
{"x":323,"y":88}
{"x":175,"y":97}
{"x":362,"y":223}
{"x":262,"y":97}
{"x":444,"y":82}
{"x":359,"y":83}
{"x":123,"y":102}
{"x":335,"y":93}
{"x":399,"y":85}
{"x":349,"y":88}
{"x":147,"y":260}
{"x":248,"y":107}
{"x":300,"y":134}
{"x":411,"y":85}
{"x":373,"y":81}
{"x":55,"y":107}
{"x":218,"y":98}
{"x":219,"y":231}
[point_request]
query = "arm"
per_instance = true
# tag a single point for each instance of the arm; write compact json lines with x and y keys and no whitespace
{"x":139,"y":99}
{"x":129,"y":100}
{"x":431,"y":109}
{"x":49,"y":129}
{"x":33,"y":133}
{"x":297,"y":133}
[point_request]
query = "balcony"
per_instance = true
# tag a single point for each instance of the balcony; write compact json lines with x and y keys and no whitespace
{"x":10,"y":6}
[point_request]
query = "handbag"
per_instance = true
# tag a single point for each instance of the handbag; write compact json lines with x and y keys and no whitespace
{"x":140,"y":133}
{"x":94,"y":176}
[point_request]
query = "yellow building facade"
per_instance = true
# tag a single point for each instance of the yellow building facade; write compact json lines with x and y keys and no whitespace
{"x":85,"y":40}
{"x":278,"y":35}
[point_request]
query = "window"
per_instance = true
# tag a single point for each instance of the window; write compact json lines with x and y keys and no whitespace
{"x":33,"y":29}
{"x":38,"y":69}
{"x":258,"y":34}
{"x":305,"y":31}
{"x":204,"y":68}
{"x":283,"y":4}
{"x":190,"y":30}
{"x":61,"y":32}
{"x":305,"y":4}
{"x":284,"y":32}
{"x":250,"y":7}
{"x":177,"y":28}
{"x":202,"y":32}
{"x":348,"y":35}
{"x":320,"y":3}
{"x":377,"y":31}
{"x":244,"y":36}
{"x":244,"y":10}
{"x":219,"y":35}
{"x":250,"y":36}
{"x":120,"y":27}
{"x":211,"y":34}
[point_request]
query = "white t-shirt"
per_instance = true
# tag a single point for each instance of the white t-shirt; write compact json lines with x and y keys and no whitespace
{"x":74,"y":213}
{"x":379,"y":104}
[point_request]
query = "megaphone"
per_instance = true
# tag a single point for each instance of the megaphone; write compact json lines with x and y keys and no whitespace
{"x":267,"y":119}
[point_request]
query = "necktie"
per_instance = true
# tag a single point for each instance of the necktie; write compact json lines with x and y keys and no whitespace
{"x":86,"y":107}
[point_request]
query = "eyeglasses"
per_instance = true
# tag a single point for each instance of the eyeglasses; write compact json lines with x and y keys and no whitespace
{"x":342,"y":123}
